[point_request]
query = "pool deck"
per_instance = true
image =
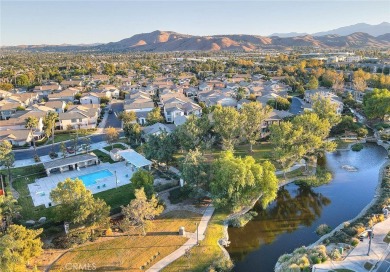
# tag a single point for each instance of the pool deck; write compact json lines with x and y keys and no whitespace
{"x":41,"y":188}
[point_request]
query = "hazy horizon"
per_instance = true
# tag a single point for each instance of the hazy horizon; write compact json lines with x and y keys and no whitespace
{"x":88,"y":22}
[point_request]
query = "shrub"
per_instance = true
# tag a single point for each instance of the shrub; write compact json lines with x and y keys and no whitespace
{"x":109,"y":232}
{"x":335,"y":254}
{"x":323,"y":229}
{"x":354,"y":242}
{"x":357,"y":147}
{"x":222,"y":265}
{"x":242,"y":220}
{"x":37,"y":158}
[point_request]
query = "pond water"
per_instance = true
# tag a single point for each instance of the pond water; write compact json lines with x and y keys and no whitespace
{"x":291,"y":220}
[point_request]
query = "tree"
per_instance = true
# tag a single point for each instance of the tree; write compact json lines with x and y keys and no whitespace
{"x":193,"y":81}
{"x":112,"y":136}
{"x":377,"y":103}
{"x":326,"y":109}
{"x":63,"y":150}
{"x":194,"y":170}
{"x":133,"y":132}
{"x":312,"y":84}
{"x":143,"y":179}
{"x":254,"y":116}
{"x":238,"y":181}
{"x":32,"y":124}
{"x":141,"y":211}
{"x":241,"y":93}
{"x":49,"y":123}
{"x":17,"y":247}
{"x":9,"y":208}
{"x":109,"y":69}
{"x":7,"y":157}
{"x":154,"y":116}
{"x":6,"y":86}
{"x":22,"y":80}
{"x":192,"y":134}
{"x":227,"y":123}
{"x":76,"y":204}
{"x":280,"y":103}
{"x":127,"y":117}
{"x":161,"y":147}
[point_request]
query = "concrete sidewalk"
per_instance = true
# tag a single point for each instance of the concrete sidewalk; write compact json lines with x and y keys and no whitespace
{"x":188,"y":245}
{"x":358,"y":257}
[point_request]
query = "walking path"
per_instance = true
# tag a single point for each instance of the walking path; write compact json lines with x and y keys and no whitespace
{"x":188,"y":245}
{"x":358,"y":257}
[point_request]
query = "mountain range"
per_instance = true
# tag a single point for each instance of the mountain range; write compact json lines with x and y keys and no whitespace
{"x":373,"y":30}
{"x":166,"y":41}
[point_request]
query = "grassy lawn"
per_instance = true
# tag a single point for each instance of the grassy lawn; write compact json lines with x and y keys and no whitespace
{"x":119,"y":146}
{"x":130,"y":253}
{"x":103,"y":156}
{"x":207,"y":252}
{"x":117,"y":197}
{"x":387,"y":238}
{"x":21,"y":177}
{"x":341,"y":270}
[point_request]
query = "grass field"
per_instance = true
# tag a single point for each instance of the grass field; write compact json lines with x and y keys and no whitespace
{"x":117,"y":197}
{"x":206,"y":253}
{"x":130,"y":253}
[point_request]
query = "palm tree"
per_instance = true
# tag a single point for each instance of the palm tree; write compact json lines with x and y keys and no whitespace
{"x":50,"y":123}
{"x":32,"y":124}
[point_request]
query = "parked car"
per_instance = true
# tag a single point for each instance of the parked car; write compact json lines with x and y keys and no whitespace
{"x":70,"y":150}
{"x":110,"y":111}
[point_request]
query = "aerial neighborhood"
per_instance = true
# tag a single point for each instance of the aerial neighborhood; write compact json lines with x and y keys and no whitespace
{"x":172,"y":152}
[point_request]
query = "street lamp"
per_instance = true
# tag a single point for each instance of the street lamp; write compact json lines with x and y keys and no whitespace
{"x":197,"y":232}
{"x":370,"y":235}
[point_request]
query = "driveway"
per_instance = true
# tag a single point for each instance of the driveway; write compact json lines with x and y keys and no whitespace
{"x":112,"y":119}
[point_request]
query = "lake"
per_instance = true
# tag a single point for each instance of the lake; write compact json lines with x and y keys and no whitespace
{"x":291,"y":220}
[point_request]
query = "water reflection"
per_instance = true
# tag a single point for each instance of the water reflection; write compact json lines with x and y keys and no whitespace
{"x":299,"y":206}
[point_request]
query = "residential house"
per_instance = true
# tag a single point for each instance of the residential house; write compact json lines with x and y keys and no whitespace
{"x":275,"y":117}
{"x":58,"y":105}
{"x":16,"y":137}
{"x":156,"y":129}
{"x":7,"y":109}
{"x":90,"y":98}
{"x":66,"y":95}
{"x":44,"y":90}
{"x":79,"y":116}
{"x":110,"y":91}
{"x":71,"y":83}
{"x":141,"y":105}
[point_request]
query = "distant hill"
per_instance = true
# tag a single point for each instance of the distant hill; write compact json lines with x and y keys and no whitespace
{"x":373,"y":30}
{"x":166,"y":41}
{"x":288,"y":35}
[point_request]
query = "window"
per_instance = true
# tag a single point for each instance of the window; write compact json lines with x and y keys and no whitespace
{"x":73,"y":120}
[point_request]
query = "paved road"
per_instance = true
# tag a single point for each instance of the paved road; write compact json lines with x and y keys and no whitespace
{"x":112,"y":119}
{"x":385,"y":266}
{"x":45,"y":150}
{"x":295,"y":107}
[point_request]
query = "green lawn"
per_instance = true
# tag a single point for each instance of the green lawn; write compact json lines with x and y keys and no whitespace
{"x":103,"y":156}
{"x":61,"y":138}
{"x":117,"y":197}
{"x":119,"y":146}
{"x":21,"y":177}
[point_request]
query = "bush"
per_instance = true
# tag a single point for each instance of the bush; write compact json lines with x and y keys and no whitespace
{"x":335,"y":254}
{"x":354,"y":242}
{"x":109,"y":232}
{"x":242,"y":220}
{"x":221,"y":265}
{"x":357,"y":147}
{"x":37,"y":158}
{"x":323,"y":229}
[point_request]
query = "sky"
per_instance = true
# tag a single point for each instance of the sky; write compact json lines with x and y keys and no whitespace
{"x":88,"y":21}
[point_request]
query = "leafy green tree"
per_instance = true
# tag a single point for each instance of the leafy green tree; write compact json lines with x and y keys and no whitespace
{"x":195,"y":170}
{"x":154,"y":116}
{"x":22,"y":80}
{"x":312,"y":84}
{"x":377,"y":103}
{"x":194,"y":81}
{"x":112,"y":136}
{"x":238,"y":181}
{"x":32,"y":125}
{"x":76,"y":204}
{"x":280,"y":103}
{"x":17,"y":247}
{"x":141,"y":211}
{"x":6,"y":86}
{"x":326,"y":109}
{"x":127,"y":117}
{"x":241,"y":93}
{"x":109,"y":69}
{"x":49,"y":123}
{"x":193,"y":133}
{"x":133,"y":132}
{"x":161,"y":147}
{"x":9,"y":208}
{"x":63,"y":150}
{"x":7,"y":157}
{"x":228,"y":124}
{"x":143,"y":179}
{"x":254,"y":115}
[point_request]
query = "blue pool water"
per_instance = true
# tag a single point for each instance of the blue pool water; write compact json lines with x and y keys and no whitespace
{"x":90,"y":179}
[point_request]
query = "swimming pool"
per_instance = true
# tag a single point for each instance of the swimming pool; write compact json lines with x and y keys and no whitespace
{"x":90,"y":179}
